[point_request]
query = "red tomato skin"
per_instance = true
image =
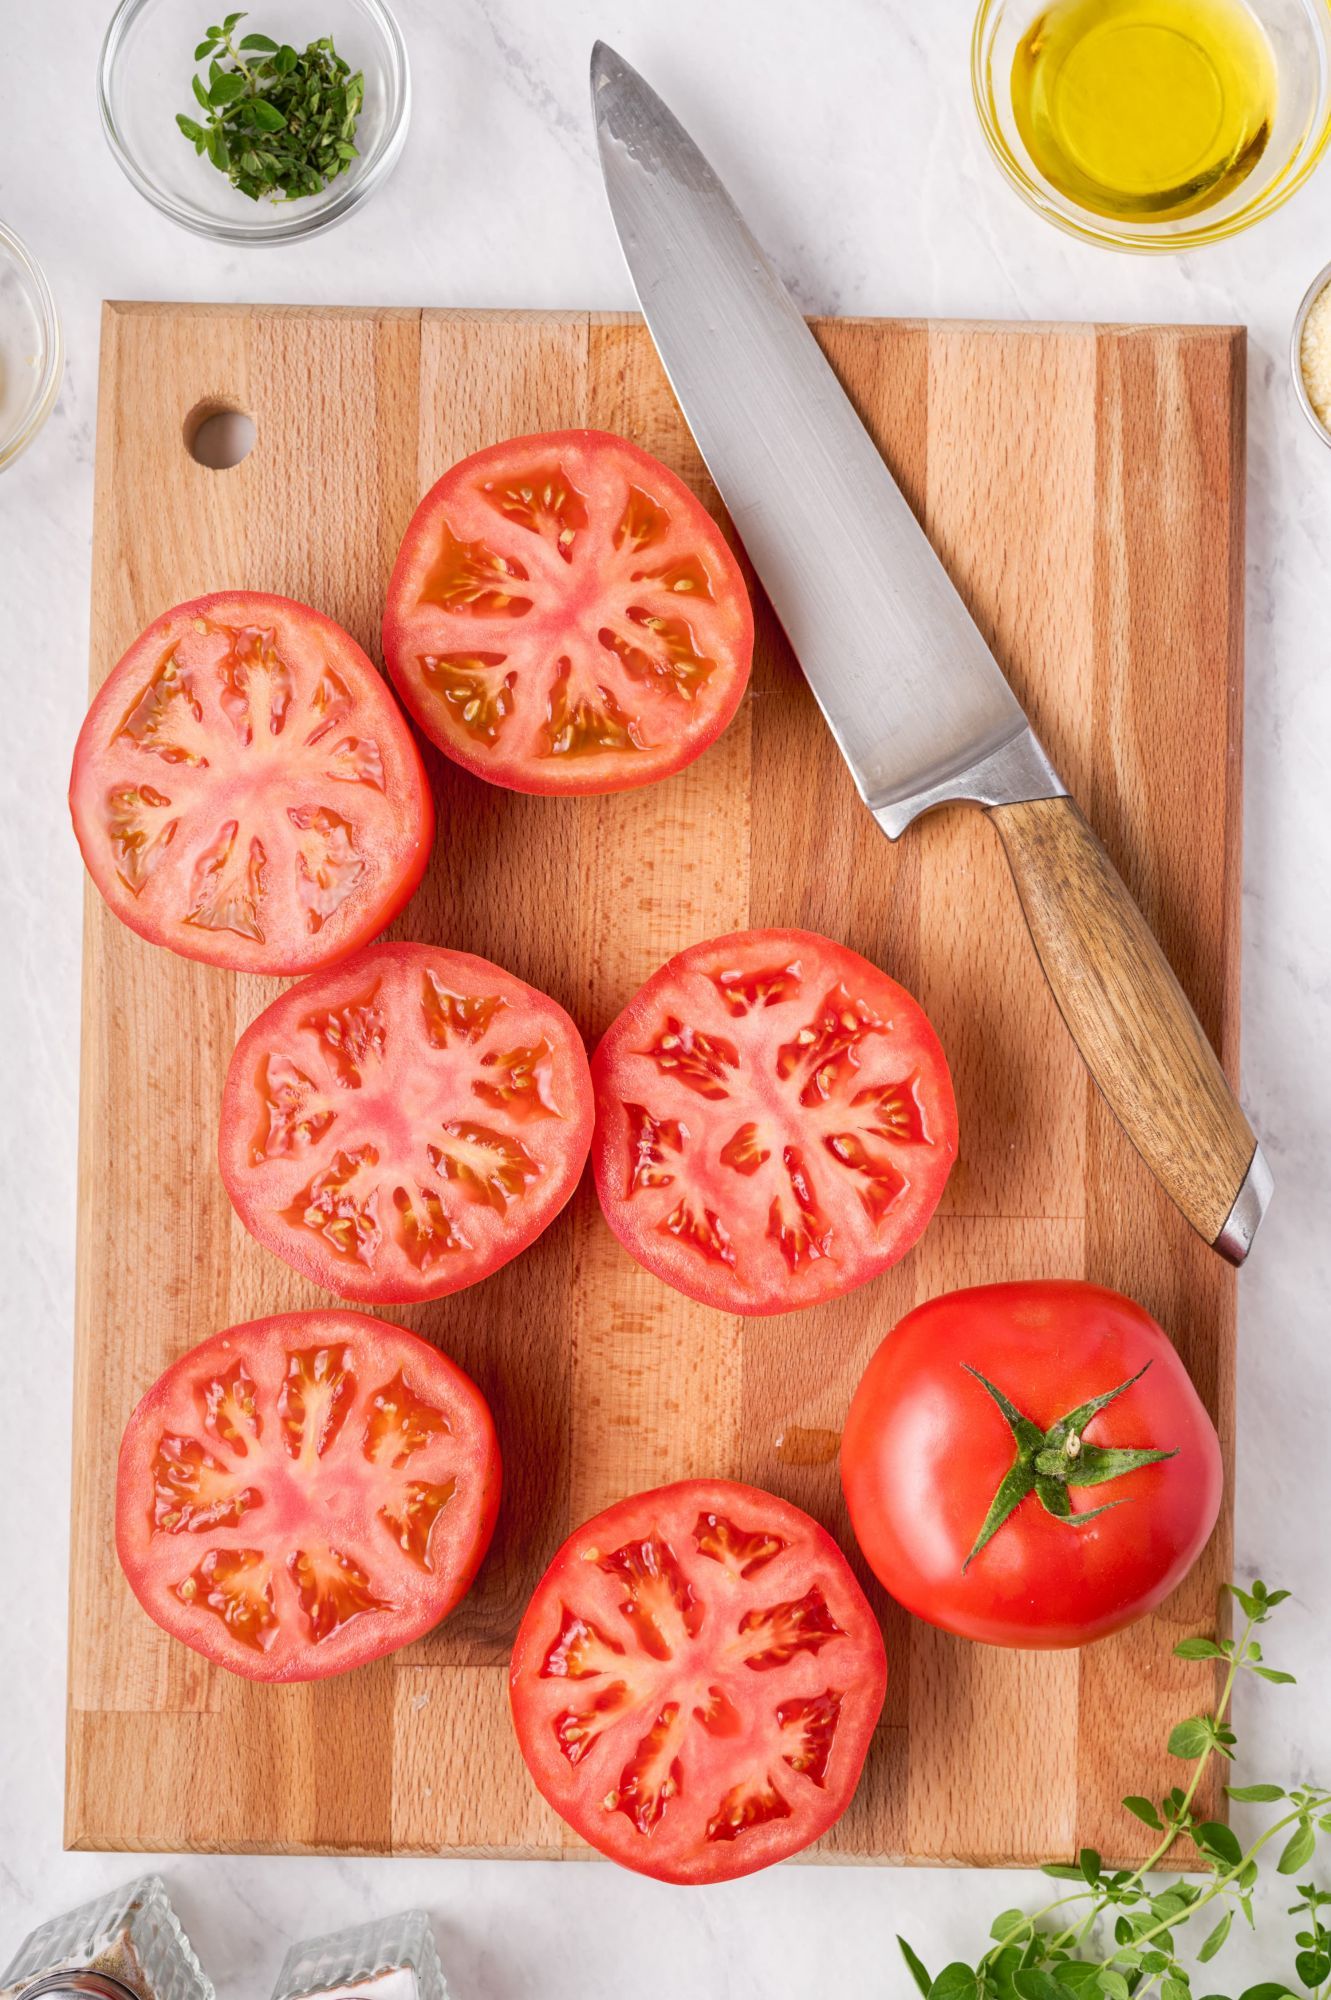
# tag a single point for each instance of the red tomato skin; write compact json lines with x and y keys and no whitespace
{"x":344,"y":1652}
{"x":512,"y":775}
{"x":417,"y":807}
{"x":925,"y":1448}
{"x":814,"y":1286}
{"x":722,"y":1861}
{"x":348,"y":1281}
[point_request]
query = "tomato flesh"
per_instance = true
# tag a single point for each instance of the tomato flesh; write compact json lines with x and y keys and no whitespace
{"x":926,"y":1449}
{"x":245,"y":789}
{"x":565,"y":616}
{"x":696,"y":1680}
{"x":401,"y":1125}
{"x":775,"y":1121}
{"x":304,"y":1493}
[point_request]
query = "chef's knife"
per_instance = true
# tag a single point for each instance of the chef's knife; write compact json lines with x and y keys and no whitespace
{"x":916,"y":701}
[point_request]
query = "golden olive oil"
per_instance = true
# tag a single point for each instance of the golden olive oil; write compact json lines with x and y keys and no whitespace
{"x":1140,"y":109}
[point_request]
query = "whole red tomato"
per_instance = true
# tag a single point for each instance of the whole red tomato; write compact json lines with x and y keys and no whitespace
{"x":1029,"y":1464}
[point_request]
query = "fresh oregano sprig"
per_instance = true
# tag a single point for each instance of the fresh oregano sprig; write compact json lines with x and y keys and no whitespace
{"x":279,"y":122}
{"x":1064,"y":1952}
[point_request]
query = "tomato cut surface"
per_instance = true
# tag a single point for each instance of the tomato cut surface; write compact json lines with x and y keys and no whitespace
{"x":402,"y":1124}
{"x":1029,"y":1464}
{"x":775,"y":1121}
{"x":696,"y":1680}
{"x":245,"y":789}
{"x":304,"y":1493}
{"x":565,"y":616}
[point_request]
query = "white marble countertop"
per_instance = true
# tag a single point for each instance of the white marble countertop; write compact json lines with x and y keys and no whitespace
{"x":846,"y":132}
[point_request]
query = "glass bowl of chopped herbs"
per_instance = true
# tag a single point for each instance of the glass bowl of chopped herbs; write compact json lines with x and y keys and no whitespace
{"x":255,"y":127}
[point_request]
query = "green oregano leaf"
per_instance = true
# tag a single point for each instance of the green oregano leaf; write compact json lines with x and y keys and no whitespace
{"x":1033,"y":1982}
{"x":1199,"y":1649}
{"x":1079,"y":1976}
{"x":1006,"y":1924}
{"x":1089,"y":1863}
{"x":1174,"y":1988}
{"x":1255,"y":1795}
{"x":917,"y":1971}
{"x":1214,"y":1939}
{"x":955,"y":1982}
{"x":1192,"y":1738}
{"x":1214,"y":1838}
{"x":1145,"y":1811}
{"x":1297,"y":1849}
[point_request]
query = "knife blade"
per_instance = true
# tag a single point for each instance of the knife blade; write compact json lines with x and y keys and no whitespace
{"x":919,"y":707}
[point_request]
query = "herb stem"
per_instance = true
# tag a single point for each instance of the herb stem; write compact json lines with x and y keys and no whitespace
{"x":241,"y":64}
{"x":1220,"y":1882}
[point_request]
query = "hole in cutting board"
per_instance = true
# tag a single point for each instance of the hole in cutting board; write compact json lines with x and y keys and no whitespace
{"x":218,"y":435}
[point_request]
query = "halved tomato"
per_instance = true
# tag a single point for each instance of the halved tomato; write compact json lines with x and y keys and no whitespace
{"x":565,"y":616}
{"x":696,"y":1681}
{"x":775,"y":1121}
{"x":245,"y":789}
{"x":304,"y":1493}
{"x":402,"y":1124}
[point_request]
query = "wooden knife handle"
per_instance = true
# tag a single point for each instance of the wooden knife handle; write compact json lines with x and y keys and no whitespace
{"x":1132,"y":1022}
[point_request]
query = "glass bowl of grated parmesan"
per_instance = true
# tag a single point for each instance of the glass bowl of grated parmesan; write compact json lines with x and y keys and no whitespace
{"x":1310,"y":354}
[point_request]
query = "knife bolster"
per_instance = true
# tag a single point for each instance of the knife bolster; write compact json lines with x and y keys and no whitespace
{"x":1016,"y":771}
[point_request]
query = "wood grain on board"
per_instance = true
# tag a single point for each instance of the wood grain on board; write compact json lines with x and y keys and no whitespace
{"x":1085,"y":487}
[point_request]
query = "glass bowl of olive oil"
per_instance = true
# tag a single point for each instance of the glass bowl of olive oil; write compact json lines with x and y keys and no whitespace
{"x":1154,"y":124}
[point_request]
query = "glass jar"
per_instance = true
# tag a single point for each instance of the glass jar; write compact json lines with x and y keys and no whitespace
{"x":124,"y":1946}
{"x":393,"y":1958}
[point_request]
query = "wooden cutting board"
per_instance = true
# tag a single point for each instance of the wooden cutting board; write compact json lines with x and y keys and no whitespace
{"x":1085,"y":487}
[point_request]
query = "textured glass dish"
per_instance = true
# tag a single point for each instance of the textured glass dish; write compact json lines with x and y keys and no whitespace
{"x":1299,"y":32}
{"x":395,"y":1957}
{"x":133,"y":1935}
{"x":1310,"y":298}
{"x":31,"y":356}
{"x":144,"y":80}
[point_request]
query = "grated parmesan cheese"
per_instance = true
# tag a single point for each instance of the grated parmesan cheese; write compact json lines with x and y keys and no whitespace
{"x":1315,"y":355}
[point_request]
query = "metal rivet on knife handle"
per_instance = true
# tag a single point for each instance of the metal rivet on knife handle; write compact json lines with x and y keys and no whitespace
{"x":918,"y":705}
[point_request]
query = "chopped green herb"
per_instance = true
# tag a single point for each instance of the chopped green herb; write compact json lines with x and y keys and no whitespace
{"x":278,"y":122}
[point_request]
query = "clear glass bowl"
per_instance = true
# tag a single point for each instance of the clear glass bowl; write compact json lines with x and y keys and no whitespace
{"x":31,"y":354}
{"x":1299,"y":32}
{"x":394,"y":1956}
{"x":1310,"y":298}
{"x":144,"y":80}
